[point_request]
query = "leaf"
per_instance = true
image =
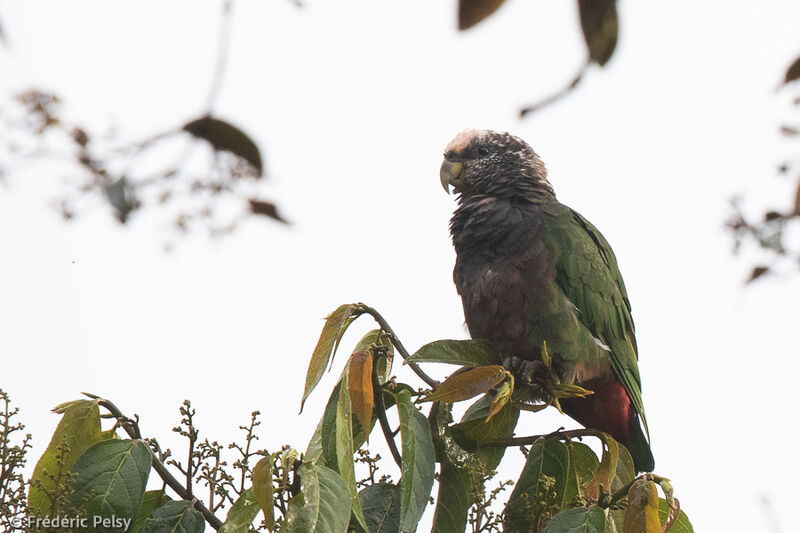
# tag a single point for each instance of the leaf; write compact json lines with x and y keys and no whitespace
{"x":418,"y":462}
{"x":78,"y":430}
{"x":474,"y":430}
{"x":681,"y":523}
{"x":542,"y":485}
{"x":580,"y":520}
{"x":359,"y":380}
{"x":471,"y":12}
{"x":345,"y":447}
{"x":152,"y":500}
{"x":264,"y":208}
{"x":502,"y":397}
{"x":583,"y":464}
{"x":225,"y":137}
{"x":458,"y":479}
{"x":263,"y":489}
{"x":465,"y":353}
{"x":793,"y":72}
{"x":175,"y":517}
{"x":757,"y":272}
{"x":111,"y":478}
{"x":469,"y":384}
{"x":332,"y":331}
{"x":241,"y":515}
{"x":641,"y":514}
{"x":381,"y":504}
{"x":323,"y":504}
{"x":599,"y":23}
{"x":603,"y":478}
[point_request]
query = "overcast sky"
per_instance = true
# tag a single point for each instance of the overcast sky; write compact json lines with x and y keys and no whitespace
{"x":352,"y":103}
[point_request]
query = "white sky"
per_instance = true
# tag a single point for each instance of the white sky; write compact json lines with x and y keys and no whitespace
{"x":352,"y":103}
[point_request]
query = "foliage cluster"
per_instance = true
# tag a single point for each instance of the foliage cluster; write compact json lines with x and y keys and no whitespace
{"x":95,"y":474}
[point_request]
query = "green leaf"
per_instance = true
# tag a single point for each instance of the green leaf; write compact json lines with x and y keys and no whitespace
{"x":332,"y":331}
{"x":263,"y":489}
{"x":681,"y":523}
{"x":152,"y":500}
{"x":323,"y":504}
{"x":465,"y":353}
{"x":541,"y":486}
{"x":641,"y":514}
{"x":78,"y":430}
{"x":111,"y":478}
{"x":225,"y":137}
{"x":583,"y":464}
{"x":460,"y":470}
{"x":599,"y":23}
{"x":580,"y":520}
{"x":606,"y":472}
{"x":381,"y":504}
{"x":469,"y":384}
{"x":175,"y":517}
{"x":345,"y":446}
{"x":418,"y":462}
{"x":241,"y":514}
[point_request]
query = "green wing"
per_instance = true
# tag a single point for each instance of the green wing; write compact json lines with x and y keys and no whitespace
{"x":587,"y":272}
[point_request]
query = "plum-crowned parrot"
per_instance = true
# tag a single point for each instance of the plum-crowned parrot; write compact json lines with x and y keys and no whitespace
{"x":532,"y":272}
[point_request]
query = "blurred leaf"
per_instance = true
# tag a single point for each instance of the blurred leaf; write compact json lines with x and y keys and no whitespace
{"x":121,"y":197}
{"x":681,"y":523}
{"x":474,"y":430}
{"x":580,"y":520}
{"x":152,"y":500}
{"x":77,"y":431}
{"x":418,"y":462}
{"x":175,"y":517}
{"x":264,"y":208}
{"x":241,"y":515}
{"x":323,"y":504}
{"x":471,"y":12}
{"x":541,"y":486}
{"x":381,"y":504}
{"x":111,"y":478}
{"x":465,"y":353}
{"x":378,"y":340}
{"x":599,"y":24}
{"x":225,"y":137}
{"x":332,"y":331}
{"x":604,"y":477}
{"x":793,"y":72}
{"x":469,"y":384}
{"x":641,"y":514}
{"x":263,"y":489}
{"x":796,"y":210}
{"x":757,"y":272}
{"x":359,"y":380}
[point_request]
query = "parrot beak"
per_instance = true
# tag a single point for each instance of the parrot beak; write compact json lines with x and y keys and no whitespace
{"x":449,"y":174}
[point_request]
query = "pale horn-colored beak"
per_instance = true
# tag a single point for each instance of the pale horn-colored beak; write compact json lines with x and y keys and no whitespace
{"x":449,"y":174}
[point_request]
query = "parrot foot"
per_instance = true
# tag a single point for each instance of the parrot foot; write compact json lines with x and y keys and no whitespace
{"x":537,"y":376}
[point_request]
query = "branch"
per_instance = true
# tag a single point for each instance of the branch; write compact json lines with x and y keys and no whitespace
{"x":562,"y":435}
{"x":131,"y":427}
{"x":365,"y":309}
{"x":384,"y":422}
{"x":222,"y":55}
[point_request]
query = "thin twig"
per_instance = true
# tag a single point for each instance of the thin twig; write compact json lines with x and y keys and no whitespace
{"x":362,"y":309}
{"x":384,"y":422}
{"x":222,"y":55}
{"x":131,"y":427}
{"x":562,"y":435}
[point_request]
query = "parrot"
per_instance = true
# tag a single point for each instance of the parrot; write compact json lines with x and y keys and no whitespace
{"x":534,"y":275}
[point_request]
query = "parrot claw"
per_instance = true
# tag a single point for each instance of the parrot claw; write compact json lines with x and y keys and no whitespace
{"x":539,"y":379}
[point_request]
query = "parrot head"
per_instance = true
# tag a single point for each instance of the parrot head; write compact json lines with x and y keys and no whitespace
{"x":494,"y":164}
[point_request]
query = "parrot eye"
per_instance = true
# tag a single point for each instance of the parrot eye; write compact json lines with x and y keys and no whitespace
{"x":483,"y":151}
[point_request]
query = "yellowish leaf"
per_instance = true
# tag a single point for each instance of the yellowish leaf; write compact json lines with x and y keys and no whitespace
{"x":641,"y":514}
{"x":601,"y":482}
{"x":469,"y":384}
{"x":359,"y":382}
{"x":263,"y":490}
